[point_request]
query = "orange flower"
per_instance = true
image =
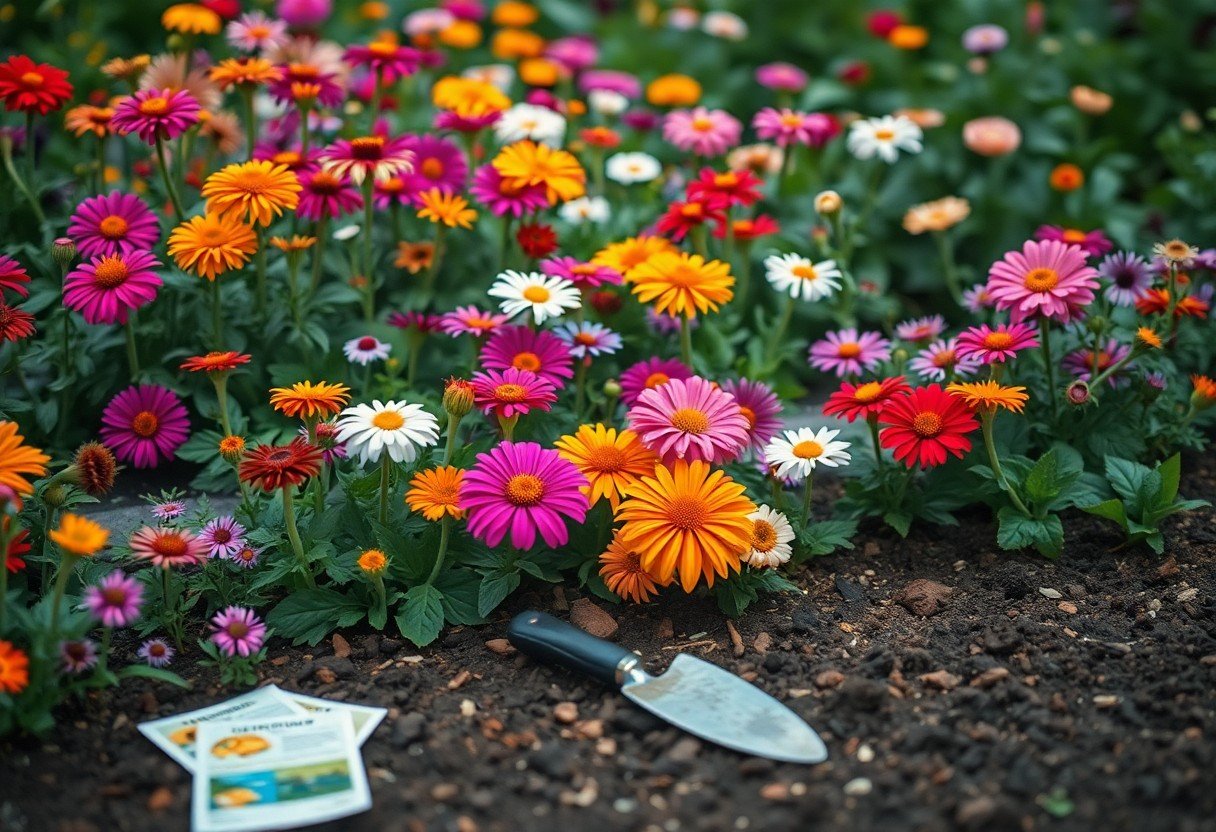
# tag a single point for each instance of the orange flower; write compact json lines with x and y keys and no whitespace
{"x":526,"y":163}
{"x":1203,"y":395}
{"x":461,"y":34}
{"x":305,"y":400}
{"x":609,"y":460}
{"x":89,"y":119}
{"x":435,"y":493}
{"x":294,"y":243}
{"x":1066,"y":177}
{"x":908,"y":37}
{"x":414,"y":257}
{"x":988,"y":396}
{"x":622,"y":571}
{"x":212,"y":244}
{"x":79,"y":536}
{"x":514,"y":14}
{"x":451,"y":210}
{"x":17,"y":460}
{"x":683,"y":284}
{"x":215,"y":362}
{"x":244,"y":72}
{"x":628,"y":254}
{"x":516,"y":44}
{"x":468,"y":97}
{"x":191,"y":19}
{"x":260,"y":189}
{"x":14,"y":669}
{"x":373,"y":561}
{"x":673,"y":90}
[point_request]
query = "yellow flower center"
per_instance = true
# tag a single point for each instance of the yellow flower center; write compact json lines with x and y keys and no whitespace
{"x":690,"y":420}
{"x":764,"y":536}
{"x":529,"y":361}
{"x":702,"y":124}
{"x":32,"y":79}
{"x":382,"y":49}
{"x":655,"y":379}
{"x":884,"y":135}
{"x":431,"y":168}
{"x":510,"y":392}
{"x":805,"y":272}
{"x":536,"y":294}
{"x":586,"y":339}
{"x":927,"y":424}
{"x":258,"y":32}
{"x":155,"y":106}
{"x":1072,"y":235}
{"x":113,"y":227}
{"x":606,"y":459}
{"x":945,"y":358}
{"x":998,"y":340}
{"x":145,"y":423}
{"x":692,"y":210}
{"x":867,"y":392}
{"x":808,"y":449}
{"x":849,"y":349}
{"x":687,"y":512}
{"x":1041,"y":279}
{"x":749,"y":415}
{"x":726,"y":180}
{"x":388,"y":420}
{"x":524,"y":490}
{"x":111,"y":272}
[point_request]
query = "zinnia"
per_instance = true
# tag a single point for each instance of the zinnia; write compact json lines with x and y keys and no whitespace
{"x":106,"y":289}
{"x":925,"y":426}
{"x":690,"y":419}
{"x":621,"y":569}
{"x":114,"y":223}
{"x":682,"y":284}
{"x":145,"y":425}
{"x":611,"y":461}
{"x":1046,"y":279}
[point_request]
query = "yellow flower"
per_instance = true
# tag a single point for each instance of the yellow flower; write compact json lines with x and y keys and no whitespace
{"x":295,"y":242}
{"x":79,"y":536}
{"x":468,"y":97}
{"x":191,"y":19}
{"x":514,"y":14}
{"x":461,"y":34}
{"x":674,"y":90}
{"x":452,"y":210}
{"x":988,"y":396}
{"x":540,"y":72}
{"x":260,"y":189}
{"x":527,"y":163}
{"x":373,"y":561}
{"x":516,"y":44}
{"x":908,"y":37}
{"x":683,"y":284}
{"x":212,"y":244}
{"x":610,"y":461}
{"x":630,"y":253}
{"x":435,"y":493}
{"x":244,"y":72}
{"x":938,"y":215}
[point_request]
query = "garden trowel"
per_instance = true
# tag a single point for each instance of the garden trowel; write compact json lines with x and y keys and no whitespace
{"x":694,"y":695}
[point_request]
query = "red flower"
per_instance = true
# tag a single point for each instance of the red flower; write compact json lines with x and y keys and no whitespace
{"x":31,"y":87}
{"x":1157,"y":302}
{"x":606,"y":302}
{"x":227,"y":9}
{"x":864,"y":400}
{"x":746,"y":230}
{"x":926,"y":425}
{"x":603,"y":137}
{"x":13,"y":277}
{"x":15,"y":323}
{"x":536,"y":240}
{"x":854,"y":73}
{"x":736,"y":187}
{"x":271,"y":467}
{"x":682,"y":217}
{"x":215,"y":362}
{"x":17,"y":547}
{"x":883,"y":21}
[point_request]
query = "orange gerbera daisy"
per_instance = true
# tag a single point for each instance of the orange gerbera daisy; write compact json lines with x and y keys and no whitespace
{"x":627,"y":255}
{"x":191,"y":19}
{"x":14,"y":669}
{"x":89,"y":119}
{"x":373,"y":561}
{"x":609,"y":460}
{"x":1148,"y":337}
{"x":17,"y":460}
{"x":689,"y":518}
{"x":294,"y":243}
{"x":683,"y":284}
{"x":414,"y":257}
{"x":988,"y":396}
{"x":1203,"y":394}
{"x":79,"y":536}
{"x":305,"y":400}
{"x":244,"y":72}
{"x":260,"y":189}
{"x":525,"y":164}
{"x":212,"y":244}
{"x":621,"y":569}
{"x":215,"y":362}
{"x":126,"y":69}
{"x":468,"y":97}
{"x":450,"y":209}
{"x":435,"y":493}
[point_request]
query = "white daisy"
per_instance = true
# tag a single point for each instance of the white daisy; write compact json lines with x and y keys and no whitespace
{"x":607,"y":102}
{"x":683,"y":18}
{"x":498,"y":75}
{"x":797,"y":452}
{"x":884,"y":137}
{"x":365,"y":350}
{"x":802,"y":278}
{"x":529,"y":121}
{"x":632,"y":168}
{"x":396,"y":427}
{"x":771,"y":536}
{"x":585,"y":209}
{"x":543,"y":296}
{"x":725,"y":25}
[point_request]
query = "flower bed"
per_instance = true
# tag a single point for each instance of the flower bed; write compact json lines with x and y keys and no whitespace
{"x":472,"y":307}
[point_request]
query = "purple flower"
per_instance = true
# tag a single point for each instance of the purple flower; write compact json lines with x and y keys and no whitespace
{"x":114,"y":600}
{"x":77,"y":656}
{"x":847,"y":352}
{"x":114,"y":223}
{"x":761,"y":408}
{"x":237,"y":631}
{"x":985,"y":39}
{"x":223,"y":536}
{"x":247,"y":557}
{"x":1082,"y":362}
{"x":156,"y":652}
{"x":942,"y":358}
{"x":782,"y":77}
{"x":169,"y":510}
{"x":156,"y":114}
{"x":1130,"y":277}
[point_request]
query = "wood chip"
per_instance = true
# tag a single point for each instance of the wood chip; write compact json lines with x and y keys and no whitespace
{"x":500,"y":646}
{"x":565,"y":712}
{"x":1068,"y":607}
{"x":341,"y":646}
{"x":941,"y":679}
{"x":458,"y":681}
{"x":592,"y":619}
{"x":736,"y":641}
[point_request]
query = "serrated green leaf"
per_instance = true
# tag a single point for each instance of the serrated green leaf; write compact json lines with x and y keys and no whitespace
{"x":1110,"y":509}
{"x":1171,"y":476}
{"x":420,"y":617}
{"x":1125,"y":477}
{"x":1017,"y":531}
{"x":309,"y":615}
{"x":1041,"y":481}
{"x":495,"y":587}
{"x":460,"y":588}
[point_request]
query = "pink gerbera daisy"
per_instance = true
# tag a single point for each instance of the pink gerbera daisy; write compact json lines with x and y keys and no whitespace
{"x":848,"y":353}
{"x":331,"y":93}
{"x":223,"y":537}
{"x":995,"y":344}
{"x":13,"y":277}
{"x":114,"y":600}
{"x":587,"y":339}
{"x":524,"y":348}
{"x":582,"y":274}
{"x":921,"y":329}
{"x":168,"y":510}
{"x":377,"y":157}
{"x":523,"y":489}
{"x":144,"y":424}
{"x":649,"y":374}
{"x":238,"y":631}
{"x":782,"y":77}
{"x":760,"y":407}
{"x":1095,"y":243}
{"x":254,"y":31}
{"x":438,"y":163}
{"x":512,"y":392}
{"x":786,"y":127}
{"x":167,"y":548}
{"x":1082,"y":363}
{"x":108,"y":287}
{"x":942,"y":358}
{"x":156,"y":114}
{"x":324,"y":195}
{"x":977,"y":299}
{"x":702,"y":131}
{"x":385,"y":58}
{"x":469,"y":320}
{"x":1047,"y":279}
{"x":114,"y":223}
{"x":492,"y":191}
{"x":690,"y":419}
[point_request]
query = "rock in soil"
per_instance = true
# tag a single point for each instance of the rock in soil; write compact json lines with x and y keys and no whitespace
{"x":594,"y":619}
{"x":923,"y":597}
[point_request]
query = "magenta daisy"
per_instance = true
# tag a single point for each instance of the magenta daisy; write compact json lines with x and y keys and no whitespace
{"x":582,"y":274}
{"x":13,"y":277}
{"x":469,"y":320}
{"x":512,"y":392}
{"x":326,"y":438}
{"x":114,"y":600}
{"x":237,"y":631}
{"x":1046,"y":279}
{"x":168,"y":548}
{"x":255,"y":32}
{"x":156,"y":114}
{"x":78,"y":656}
{"x":156,"y":652}
{"x":649,"y":374}
{"x":424,"y":322}
{"x":786,"y":127}
{"x":247,"y":557}
{"x":145,"y":425}
{"x":386,"y":59}
{"x":760,"y":406}
{"x":457,"y":123}
{"x":1083,"y":362}
{"x":1095,"y":243}
{"x":588,"y":340}
{"x":490,"y":190}
{"x":995,"y":344}
{"x":848,"y":353}
{"x":326,"y":196}
{"x":331,"y":92}
{"x":107,"y":288}
{"x":702,"y":131}
{"x":438,"y":163}
{"x":782,"y":77}
{"x":223,"y":537}
{"x":114,"y":223}
{"x":525,"y":490}
{"x":941,"y":359}
{"x":1130,"y":277}
{"x":524,"y":348}
{"x":690,"y":419}
{"x":977,"y":299}
{"x":375,"y":157}
{"x":921,"y":329}
{"x":168,"y":510}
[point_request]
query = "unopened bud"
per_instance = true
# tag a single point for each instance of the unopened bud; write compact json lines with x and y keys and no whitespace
{"x":458,"y":397}
{"x":828,"y":203}
{"x":63,"y":252}
{"x":1077,"y":393}
{"x":55,"y":495}
{"x":232,"y":448}
{"x":612,"y":388}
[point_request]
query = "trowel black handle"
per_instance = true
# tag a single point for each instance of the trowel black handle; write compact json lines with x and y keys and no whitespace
{"x":549,"y":639}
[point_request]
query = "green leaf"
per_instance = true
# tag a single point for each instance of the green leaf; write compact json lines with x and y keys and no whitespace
{"x":460,"y":589}
{"x":143,"y":671}
{"x":420,"y":617}
{"x":825,"y":537}
{"x":495,"y":587}
{"x":1017,"y":531}
{"x":1110,"y":509}
{"x":308,"y":615}
{"x":1125,"y":477}
{"x":1041,"y":483}
{"x":899,"y":520}
{"x":1171,"y":476}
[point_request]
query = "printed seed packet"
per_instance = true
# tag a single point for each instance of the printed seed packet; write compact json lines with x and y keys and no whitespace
{"x":364,"y":717}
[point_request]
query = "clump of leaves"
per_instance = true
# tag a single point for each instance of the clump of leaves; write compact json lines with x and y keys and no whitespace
{"x":1146,"y":496}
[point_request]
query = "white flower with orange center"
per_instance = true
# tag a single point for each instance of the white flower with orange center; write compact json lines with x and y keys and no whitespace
{"x":545,"y":297}
{"x":797,"y":452}
{"x":884,"y":137}
{"x":800,"y":277}
{"x":398,"y":428}
{"x":530,"y":121}
{"x":771,"y":538}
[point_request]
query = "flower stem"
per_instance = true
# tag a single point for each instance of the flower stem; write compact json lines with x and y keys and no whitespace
{"x":686,"y":339}
{"x":318,"y":256}
{"x":220,"y":381}
{"x":6,"y":149}
{"x":385,"y":465}
{"x":872,"y":421}
{"x":783,"y":323}
{"x":217,"y":328}
{"x":453,"y":433}
{"x":445,"y":531}
{"x":1050,"y":367}
{"x":293,"y":534}
{"x":251,"y":126}
{"x":580,"y":387}
{"x":949,"y":269}
{"x":986,"y":420}
{"x":260,"y":286}
{"x":167,"y":179}
{"x":806,"y":499}
{"x":66,"y":567}
{"x":132,"y":352}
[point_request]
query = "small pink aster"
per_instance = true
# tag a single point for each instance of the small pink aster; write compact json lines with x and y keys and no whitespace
{"x":690,"y":419}
{"x":782,"y":77}
{"x":649,"y":374}
{"x":156,"y":652}
{"x":921,"y":329}
{"x":512,"y":392}
{"x":848,"y":353}
{"x":995,"y":344}
{"x":326,"y":196}
{"x":787,"y":127}
{"x":78,"y":656}
{"x":223,"y":537}
{"x":254,"y":32}
{"x":760,"y":407}
{"x":582,"y":274}
{"x":976,"y":299}
{"x":1047,"y":279}
{"x":941,"y":359}
{"x":237,"y":631}
{"x":702,"y":131}
{"x":588,"y":339}
{"x":168,"y":510}
{"x":114,"y":600}
{"x":469,"y":320}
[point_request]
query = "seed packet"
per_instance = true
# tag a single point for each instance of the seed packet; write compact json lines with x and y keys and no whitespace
{"x":364,"y":717}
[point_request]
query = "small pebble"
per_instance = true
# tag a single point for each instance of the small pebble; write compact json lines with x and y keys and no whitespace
{"x":1048,"y":592}
{"x":858,"y":787}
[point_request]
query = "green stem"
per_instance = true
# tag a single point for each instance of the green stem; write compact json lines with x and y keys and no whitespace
{"x":260,"y":286}
{"x":251,"y":127}
{"x":986,"y":420}
{"x":1050,"y":367}
{"x":318,"y":257}
{"x":293,"y":535}
{"x":504,"y":248}
{"x":66,"y":567}
{"x":221,"y":395}
{"x":580,"y":387}
{"x":167,"y":179}
{"x":686,"y":339}
{"x":217,"y":325}
{"x":6,"y":149}
{"x":872,"y":421}
{"x":445,"y":531}
{"x":103,"y":655}
{"x":428,"y":282}
{"x":29,"y":147}
{"x":806,"y":498}
{"x":132,"y":352}
{"x":385,"y":469}
{"x":783,"y":323}
{"x":949,"y":270}
{"x":453,"y":433}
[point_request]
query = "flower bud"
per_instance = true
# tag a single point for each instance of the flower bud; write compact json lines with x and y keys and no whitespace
{"x":612,"y":388}
{"x":55,"y":495}
{"x":606,"y":302}
{"x":1077,"y":393}
{"x":232,"y":448}
{"x":457,"y":397}
{"x":63,"y":252}
{"x":828,"y":203}
{"x":93,"y":468}
{"x":1096,"y":324}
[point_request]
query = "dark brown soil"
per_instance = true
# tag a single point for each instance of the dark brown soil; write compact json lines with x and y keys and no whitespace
{"x":1076,"y":695}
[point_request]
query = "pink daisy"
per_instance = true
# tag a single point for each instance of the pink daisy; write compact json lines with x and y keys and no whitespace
{"x":1080,"y":363}
{"x":977,"y":299}
{"x":760,"y":407}
{"x":447,"y":120}
{"x":254,"y":31}
{"x":78,"y":656}
{"x":702,"y":131}
{"x":1095,"y":242}
{"x":582,"y":274}
{"x":166,"y":548}
{"x":156,"y":114}
{"x":114,"y":223}
{"x":921,"y":329}
{"x":512,"y":392}
{"x":489,"y":190}
{"x":388,"y":60}
{"x":168,"y":510}
{"x":237,"y":631}
{"x":782,"y":77}
{"x":331,"y":94}
{"x":649,"y":374}
{"x":156,"y":652}
{"x":223,"y":537}
{"x":612,"y":80}
{"x":588,"y":339}
{"x":145,"y":425}
{"x":942,"y":358}
{"x":438,"y":163}
{"x":524,"y":348}
{"x":469,"y":320}
{"x":325,"y":438}
{"x":108,"y":287}
{"x":786,"y":127}
{"x":326,"y":196}
{"x":523,"y":489}
{"x":389,"y":192}
{"x":247,"y":558}
{"x":988,"y":344}
{"x":1048,"y":279}
{"x":375,"y":157}
{"x":847,"y":353}
{"x":114,"y":600}
{"x":690,"y":419}
{"x":13,"y":277}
